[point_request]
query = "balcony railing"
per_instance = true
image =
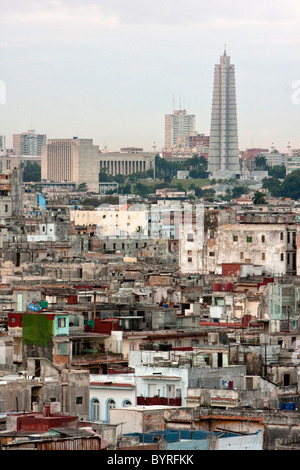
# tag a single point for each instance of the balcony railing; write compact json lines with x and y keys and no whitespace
{"x":159,"y":401}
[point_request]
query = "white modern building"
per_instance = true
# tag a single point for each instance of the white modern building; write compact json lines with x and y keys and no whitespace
{"x":28,"y":143}
{"x":293,"y":161}
{"x":178,"y":127}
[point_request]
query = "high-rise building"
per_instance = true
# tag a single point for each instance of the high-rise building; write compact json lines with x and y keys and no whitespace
{"x":223,"y":157}
{"x":71,"y":160}
{"x":28,"y":143}
{"x":178,"y":127}
{"x":2,"y":142}
{"x":293,"y":161}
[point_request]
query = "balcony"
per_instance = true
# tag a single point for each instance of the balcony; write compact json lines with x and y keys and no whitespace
{"x":159,"y":401}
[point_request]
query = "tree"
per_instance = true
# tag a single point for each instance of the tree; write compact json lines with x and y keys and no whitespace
{"x":290,"y":187}
{"x":104,"y":177}
{"x":277,"y":171}
{"x":258,"y":198}
{"x":261,"y":162}
{"x":272,"y":185}
{"x":142,"y":189}
{"x":31,"y":172}
{"x":125,"y":189}
{"x":239,"y":190}
{"x":168,"y":179}
{"x":82,"y":187}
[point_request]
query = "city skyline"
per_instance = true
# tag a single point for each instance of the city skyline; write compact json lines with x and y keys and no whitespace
{"x":110,"y":72}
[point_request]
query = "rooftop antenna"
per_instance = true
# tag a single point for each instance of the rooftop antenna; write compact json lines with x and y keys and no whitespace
{"x":173,"y":103}
{"x":224,"y":49}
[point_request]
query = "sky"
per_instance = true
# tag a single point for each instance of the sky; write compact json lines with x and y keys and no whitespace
{"x":110,"y":70}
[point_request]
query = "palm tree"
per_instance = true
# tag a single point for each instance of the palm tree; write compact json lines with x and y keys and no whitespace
{"x":258,"y":198}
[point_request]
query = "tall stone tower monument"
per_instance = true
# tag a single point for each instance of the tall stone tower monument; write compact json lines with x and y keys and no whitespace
{"x":223,"y":159}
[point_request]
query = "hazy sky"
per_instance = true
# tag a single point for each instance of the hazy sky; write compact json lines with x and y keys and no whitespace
{"x":109,"y":69}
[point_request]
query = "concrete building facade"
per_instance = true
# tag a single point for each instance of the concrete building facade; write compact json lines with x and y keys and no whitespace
{"x":223,"y":157}
{"x":28,"y":143}
{"x":126,"y":163}
{"x":75,"y":160}
{"x":178,"y":125}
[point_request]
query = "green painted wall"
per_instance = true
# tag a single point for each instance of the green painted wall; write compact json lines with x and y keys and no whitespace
{"x":37,"y":329}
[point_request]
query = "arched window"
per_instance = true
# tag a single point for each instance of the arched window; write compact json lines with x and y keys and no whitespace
{"x":126,"y":402}
{"x":110,"y":404}
{"x":95,"y":409}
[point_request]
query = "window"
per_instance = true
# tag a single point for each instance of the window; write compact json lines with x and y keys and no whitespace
{"x":111,"y":404}
{"x":263,"y":256}
{"x":62,"y":349}
{"x":281,"y":235}
{"x":263,"y":239}
{"x":211,"y":253}
{"x":95,"y":410}
{"x":190,"y":237}
{"x":235,"y":238}
{"x":249,"y":239}
{"x":286,"y":380}
{"x":281,"y":257}
{"x":242,"y":255}
{"x":127,"y":403}
{"x":190,"y":260}
{"x":249,"y":383}
{"x":61,"y":322}
{"x":79,"y":400}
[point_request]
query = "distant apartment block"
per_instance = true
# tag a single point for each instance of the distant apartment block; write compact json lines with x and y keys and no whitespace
{"x":71,"y":160}
{"x":199,"y":142}
{"x":28,"y":143}
{"x":178,"y":127}
{"x":293,"y":161}
{"x":2,"y":142}
{"x":274,"y":158}
{"x":248,"y":156}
